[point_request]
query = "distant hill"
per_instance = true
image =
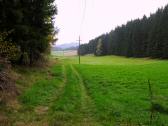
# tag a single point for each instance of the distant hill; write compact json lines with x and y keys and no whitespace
{"x":66,"y":46}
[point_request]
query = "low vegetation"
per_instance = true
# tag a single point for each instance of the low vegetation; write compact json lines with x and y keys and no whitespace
{"x":120,"y":90}
{"x":101,"y":91}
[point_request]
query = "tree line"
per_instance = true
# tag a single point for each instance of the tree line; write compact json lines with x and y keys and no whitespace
{"x":30,"y":26}
{"x":146,"y":37}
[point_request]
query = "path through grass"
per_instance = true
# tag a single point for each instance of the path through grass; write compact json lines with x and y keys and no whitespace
{"x":120,"y":89}
{"x":101,"y":91}
{"x":74,"y":106}
{"x":58,"y":99}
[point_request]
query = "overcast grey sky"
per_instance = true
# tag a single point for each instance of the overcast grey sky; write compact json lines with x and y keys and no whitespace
{"x":101,"y":16}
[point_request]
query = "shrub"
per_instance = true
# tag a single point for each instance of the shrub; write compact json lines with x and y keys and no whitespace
{"x":7,"y":48}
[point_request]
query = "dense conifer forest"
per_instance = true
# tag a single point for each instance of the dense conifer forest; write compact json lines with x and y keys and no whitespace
{"x":146,"y":37}
{"x":28,"y":25}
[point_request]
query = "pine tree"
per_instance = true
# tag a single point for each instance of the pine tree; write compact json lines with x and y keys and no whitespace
{"x":32,"y":25}
{"x":146,"y":37}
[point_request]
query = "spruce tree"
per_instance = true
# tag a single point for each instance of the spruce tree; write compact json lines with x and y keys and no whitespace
{"x":32,"y":25}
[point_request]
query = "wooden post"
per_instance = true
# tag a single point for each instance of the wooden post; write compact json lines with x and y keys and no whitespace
{"x":79,"y":49}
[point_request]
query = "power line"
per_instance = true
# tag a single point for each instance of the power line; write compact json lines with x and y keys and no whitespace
{"x":81,"y":25}
{"x":83,"y":17}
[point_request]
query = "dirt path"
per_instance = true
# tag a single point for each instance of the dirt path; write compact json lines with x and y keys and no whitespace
{"x":87,"y":106}
{"x":70,"y":106}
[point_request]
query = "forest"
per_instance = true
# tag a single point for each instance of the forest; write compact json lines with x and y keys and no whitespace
{"x":146,"y":37}
{"x":26,"y":29}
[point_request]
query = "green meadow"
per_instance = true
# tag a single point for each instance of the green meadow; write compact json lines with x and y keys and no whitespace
{"x":101,"y":91}
{"x":126,"y":90}
{"x":120,"y":89}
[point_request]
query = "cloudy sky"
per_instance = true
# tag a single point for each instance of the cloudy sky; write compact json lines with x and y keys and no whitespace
{"x":101,"y":16}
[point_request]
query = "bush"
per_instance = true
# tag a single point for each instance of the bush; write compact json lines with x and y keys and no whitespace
{"x":8,"y":49}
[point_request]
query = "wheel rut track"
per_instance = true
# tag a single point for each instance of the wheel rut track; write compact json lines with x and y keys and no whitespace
{"x":63,"y":83}
{"x":87,"y":105}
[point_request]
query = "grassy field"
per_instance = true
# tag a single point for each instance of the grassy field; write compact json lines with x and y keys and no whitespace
{"x":101,"y":91}
{"x":64,"y":53}
{"x":119,"y":88}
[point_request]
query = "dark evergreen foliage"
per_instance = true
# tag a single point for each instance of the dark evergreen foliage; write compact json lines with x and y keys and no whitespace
{"x":32,"y":24}
{"x":146,"y":37}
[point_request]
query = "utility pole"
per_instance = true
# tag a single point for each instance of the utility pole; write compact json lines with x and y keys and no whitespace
{"x":79,"y":49}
